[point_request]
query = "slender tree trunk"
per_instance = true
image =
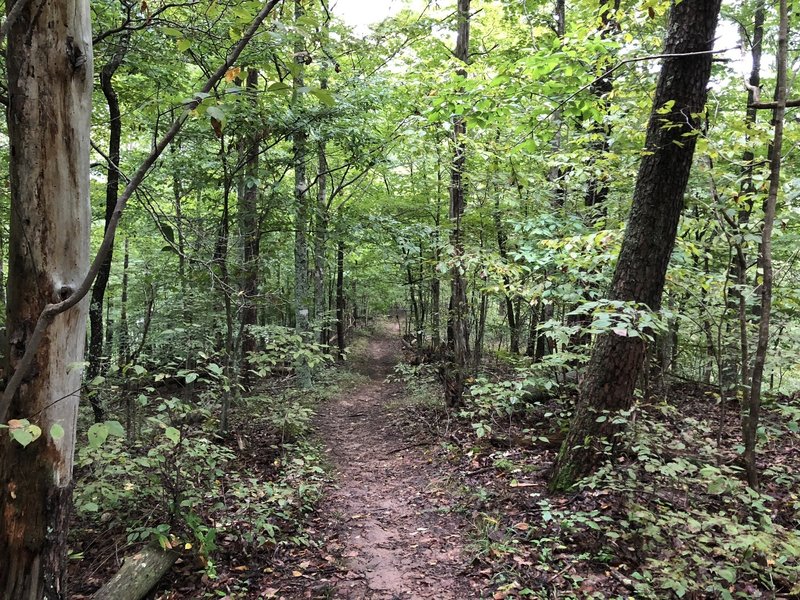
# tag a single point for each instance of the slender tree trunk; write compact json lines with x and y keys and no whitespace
{"x":456,"y":370}
{"x":124,"y":332}
{"x":557,"y":172}
{"x":95,"y":355}
{"x":320,"y":241}
{"x":436,"y":283}
{"x":301,"y":213}
{"x":49,"y":66}
{"x":649,"y":237}
{"x":340,"y":304}
{"x":502,"y":239}
{"x":249,"y":231}
{"x":753,"y":408}
{"x":749,"y":190}
{"x":597,"y":190}
{"x":230,"y":385}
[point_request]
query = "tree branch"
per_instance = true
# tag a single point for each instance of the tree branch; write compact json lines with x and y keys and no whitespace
{"x":773,"y":105}
{"x":11,"y":18}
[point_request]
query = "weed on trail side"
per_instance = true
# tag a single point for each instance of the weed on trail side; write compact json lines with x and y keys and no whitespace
{"x":669,"y":516}
{"x":237,"y":508}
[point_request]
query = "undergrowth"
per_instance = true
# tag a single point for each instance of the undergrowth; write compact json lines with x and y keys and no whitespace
{"x":670,"y":515}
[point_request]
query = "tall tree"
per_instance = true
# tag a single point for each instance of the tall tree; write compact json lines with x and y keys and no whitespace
{"x":302,"y":209}
{"x":95,"y":353}
{"x":249,"y":226}
{"x":458,"y":340}
{"x":753,"y":404}
{"x":49,"y":61}
{"x":640,"y":273}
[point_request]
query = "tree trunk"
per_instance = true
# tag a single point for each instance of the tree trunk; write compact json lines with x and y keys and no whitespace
{"x":124,"y":332}
{"x":502,"y":239}
{"x":320,"y":241}
{"x":95,"y":357}
{"x":597,"y":190}
{"x":340,"y":306}
{"x":649,"y":237}
{"x":49,"y":63}
{"x":751,"y":419}
{"x":456,"y":369}
{"x":138,"y":575}
{"x":249,"y":228}
{"x":301,"y":316}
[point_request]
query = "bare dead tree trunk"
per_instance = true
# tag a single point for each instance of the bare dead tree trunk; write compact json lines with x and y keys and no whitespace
{"x":49,"y":63}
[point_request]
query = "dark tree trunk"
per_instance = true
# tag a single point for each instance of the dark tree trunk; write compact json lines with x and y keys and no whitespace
{"x":458,"y":361}
{"x":124,"y":333}
{"x":597,"y":190}
{"x":502,"y":246}
{"x":649,"y":237}
{"x":95,"y":357}
{"x":340,"y":306}
{"x":250,"y":232}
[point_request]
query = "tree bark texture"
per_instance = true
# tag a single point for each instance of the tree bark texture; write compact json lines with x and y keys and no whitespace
{"x":456,"y":370}
{"x":139,"y":574}
{"x":49,"y":61}
{"x":249,"y":230}
{"x":649,"y":236}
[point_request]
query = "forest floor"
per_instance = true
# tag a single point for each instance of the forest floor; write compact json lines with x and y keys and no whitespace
{"x":387,"y":519}
{"x":417,"y":502}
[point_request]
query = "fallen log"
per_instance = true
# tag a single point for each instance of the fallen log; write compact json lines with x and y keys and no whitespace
{"x":139,"y":574}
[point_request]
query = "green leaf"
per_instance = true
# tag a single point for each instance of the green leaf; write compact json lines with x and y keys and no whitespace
{"x":22,"y":436}
{"x":90,"y":507}
{"x":727,"y":573}
{"x":56,"y":431}
{"x":278,"y":86}
{"x":215,"y":112}
{"x":115,"y":428}
{"x":718,"y":485}
{"x":184,"y":45}
{"x":215,"y":369}
{"x":324,"y":96}
{"x":190,"y":377}
{"x":98,"y":434}
{"x":173,"y":434}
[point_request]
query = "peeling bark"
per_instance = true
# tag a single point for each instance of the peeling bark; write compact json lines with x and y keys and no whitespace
{"x":49,"y":61}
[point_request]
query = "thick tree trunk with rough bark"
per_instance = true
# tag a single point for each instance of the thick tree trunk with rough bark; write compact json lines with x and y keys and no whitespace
{"x":639,"y":277}
{"x":49,"y":61}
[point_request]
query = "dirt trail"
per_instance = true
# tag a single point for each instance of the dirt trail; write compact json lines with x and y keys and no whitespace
{"x":390,"y":502}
